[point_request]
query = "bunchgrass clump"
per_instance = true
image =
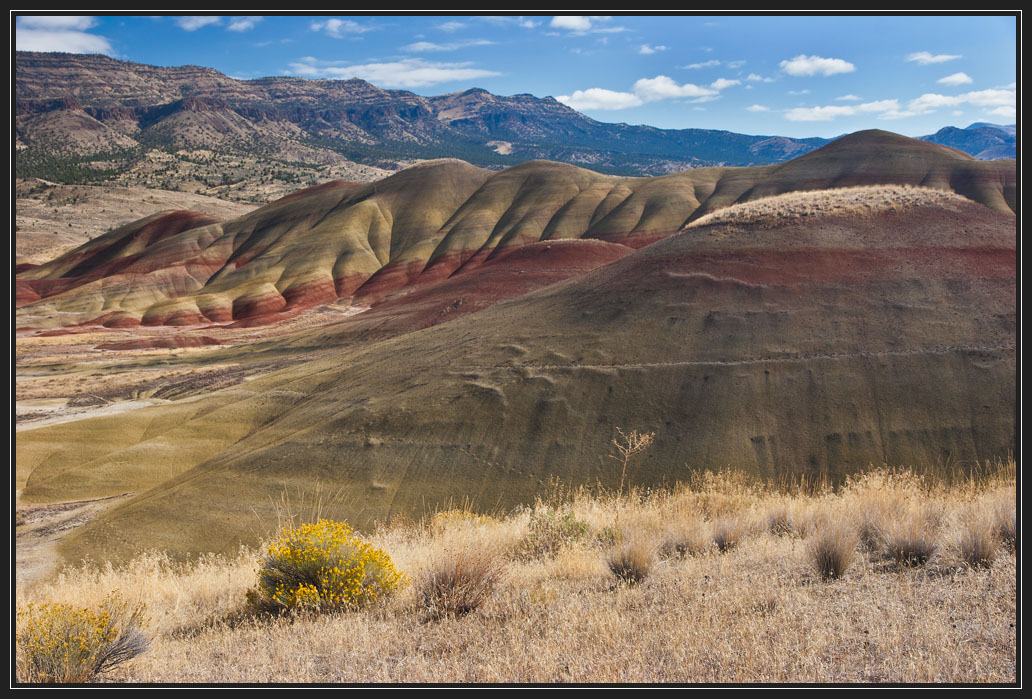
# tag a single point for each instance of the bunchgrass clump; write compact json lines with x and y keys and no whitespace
{"x":780,"y":521}
{"x":689,"y":540}
{"x":832,"y":550}
{"x":1006,"y":523}
{"x":459,"y":581}
{"x":978,"y":540}
{"x":62,"y":643}
{"x":728,"y":533}
{"x":913,"y":539}
{"x":323,"y":567}
{"x":631,"y":562}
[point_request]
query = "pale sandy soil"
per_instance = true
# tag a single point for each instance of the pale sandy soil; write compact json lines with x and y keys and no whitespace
{"x":53,"y":218}
{"x":38,"y":528}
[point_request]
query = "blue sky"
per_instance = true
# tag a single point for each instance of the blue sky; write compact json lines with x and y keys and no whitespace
{"x":792,"y":76}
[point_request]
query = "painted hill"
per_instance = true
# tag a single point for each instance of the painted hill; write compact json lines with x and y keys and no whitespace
{"x":815,"y":333}
{"x":431,"y":222}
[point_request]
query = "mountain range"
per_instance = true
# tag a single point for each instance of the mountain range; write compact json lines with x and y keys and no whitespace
{"x":86,"y":106}
{"x":982,"y":140}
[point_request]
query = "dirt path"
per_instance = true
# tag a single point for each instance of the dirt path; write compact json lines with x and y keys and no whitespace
{"x":38,"y":529}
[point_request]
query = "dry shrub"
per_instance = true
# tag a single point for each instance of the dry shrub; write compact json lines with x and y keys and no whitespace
{"x":449,"y":519}
{"x":914,"y":538}
{"x":459,"y":581}
{"x":780,"y":521}
{"x":1005,"y":522}
{"x":979,"y":539}
{"x":690,"y":539}
{"x":832,"y":550}
{"x":978,"y":544}
{"x":632,"y":562}
{"x":550,"y":531}
{"x":728,"y":533}
{"x":61,"y":643}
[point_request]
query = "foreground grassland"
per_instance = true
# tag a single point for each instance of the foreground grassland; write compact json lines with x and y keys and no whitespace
{"x":714,"y":581}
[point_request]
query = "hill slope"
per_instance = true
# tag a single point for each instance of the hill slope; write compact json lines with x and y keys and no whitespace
{"x":437,"y":220}
{"x":804,"y":338}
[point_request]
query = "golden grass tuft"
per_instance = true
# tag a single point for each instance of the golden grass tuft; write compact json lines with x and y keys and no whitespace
{"x":728,"y":532}
{"x":459,"y":581}
{"x":632,"y":561}
{"x":832,"y":550}
{"x":913,"y":539}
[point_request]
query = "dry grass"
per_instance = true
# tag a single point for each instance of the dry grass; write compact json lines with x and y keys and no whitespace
{"x":459,"y":581}
{"x":845,"y":201}
{"x":832,"y":550}
{"x":728,"y":533}
{"x":751,"y":614}
{"x":914,"y":538}
{"x":633,"y":561}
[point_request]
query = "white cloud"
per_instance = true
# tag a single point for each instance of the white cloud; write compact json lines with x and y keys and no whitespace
{"x":192,"y":23}
{"x":451,"y":26}
{"x":956,"y":79}
{"x":798,"y":92}
{"x":644,"y":91}
{"x":68,"y":42}
{"x":979,"y":98}
{"x":1008,"y":112}
{"x":722,"y":83}
{"x":735,"y":64}
{"x":647,"y":50}
{"x":406,"y":73}
{"x":519,"y":21}
{"x":573,"y":23}
{"x":661,"y":87}
{"x":753,"y":77}
{"x":803,"y":65}
{"x":888,"y":109}
{"x":57,"y":22}
{"x":924,"y":58}
{"x":600,"y":98}
{"x":582,"y":24}
{"x":424,"y":46}
{"x":339,"y":28}
{"x":757,"y":108}
{"x":242,"y":24}
{"x":59,"y":33}
{"x":848,"y":98}
{"x":706,"y":64}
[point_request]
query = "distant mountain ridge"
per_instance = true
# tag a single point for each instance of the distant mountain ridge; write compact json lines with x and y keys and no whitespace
{"x":95,"y":107}
{"x":983,"y":140}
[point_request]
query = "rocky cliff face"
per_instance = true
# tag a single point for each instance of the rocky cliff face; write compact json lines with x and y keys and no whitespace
{"x":352,"y":118}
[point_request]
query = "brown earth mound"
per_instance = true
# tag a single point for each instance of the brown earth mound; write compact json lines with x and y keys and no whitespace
{"x":438,"y":220}
{"x":816,"y":347}
{"x":177,"y":342}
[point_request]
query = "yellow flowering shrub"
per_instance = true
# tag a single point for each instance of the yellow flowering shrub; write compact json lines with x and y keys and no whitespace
{"x":58,"y":642}
{"x":321,"y":567}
